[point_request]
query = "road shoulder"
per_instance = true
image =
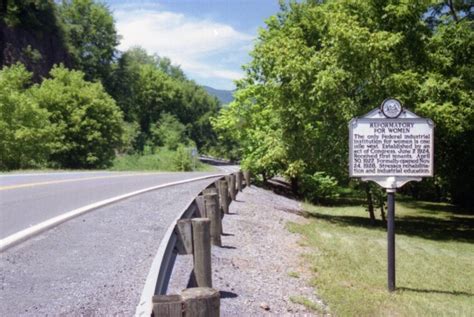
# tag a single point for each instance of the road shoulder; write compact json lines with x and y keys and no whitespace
{"x":260,"y":268}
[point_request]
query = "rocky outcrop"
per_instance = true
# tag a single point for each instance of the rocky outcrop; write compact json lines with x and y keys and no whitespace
{"x":37,"y":49}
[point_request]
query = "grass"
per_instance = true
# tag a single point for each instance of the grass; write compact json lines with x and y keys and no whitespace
{"x":162,"y":160}
{"x":306,"y":302}
{"x":294,"y":274}
{"x":434,"y":260}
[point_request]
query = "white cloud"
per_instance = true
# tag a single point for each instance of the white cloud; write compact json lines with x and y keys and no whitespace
{"x":199,"y":46}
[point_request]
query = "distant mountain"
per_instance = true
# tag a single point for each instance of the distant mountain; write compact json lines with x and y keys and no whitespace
{"x":224,"y":96}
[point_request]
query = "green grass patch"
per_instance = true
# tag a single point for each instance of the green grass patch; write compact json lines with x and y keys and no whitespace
{"x":161,"y":160}
{"x":293,"y":274}
{"x":307,"y":303}
{"x":434,"y":260}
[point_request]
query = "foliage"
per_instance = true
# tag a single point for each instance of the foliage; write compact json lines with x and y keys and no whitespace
{"x":319,"y":187}
{"x":169,"y":132}
{"x":182,"y":159}
{"x":129,"y":137}
{"x":31,"y":14}
{"x":83,"y":117}
{"x":25,"y":132}
{"x":320,"y":63}
{"x":91,"y":34}
{"x":87,"y":120}
{"x":162,"y":160}
{"x":148,"y":86}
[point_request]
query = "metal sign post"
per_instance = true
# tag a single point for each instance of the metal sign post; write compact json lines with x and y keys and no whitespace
{"x":391,"y":146}
{"x":391,"y":239}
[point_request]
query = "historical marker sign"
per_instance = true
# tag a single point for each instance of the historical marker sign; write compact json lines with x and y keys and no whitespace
{"x":391,"y":146}
{"x":399,"y":144}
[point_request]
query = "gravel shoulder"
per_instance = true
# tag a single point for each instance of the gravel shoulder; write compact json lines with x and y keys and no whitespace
{"x":260,"y":265}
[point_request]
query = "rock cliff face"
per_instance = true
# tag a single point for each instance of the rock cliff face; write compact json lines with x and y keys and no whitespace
{"x":37,"y":49}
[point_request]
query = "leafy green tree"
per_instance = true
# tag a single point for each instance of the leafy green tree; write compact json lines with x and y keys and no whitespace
{"x":25,"y":131}
{"x":88,"y":122}
{"x":446,"y":94}
{"x":131,"y":131}
{"x":91,"y":34}
{"x":320,"y":63}
{"x":169,"y":132}
{"x":147,"y":86}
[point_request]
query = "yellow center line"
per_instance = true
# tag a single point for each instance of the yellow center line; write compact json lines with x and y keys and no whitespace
{"x":69,"y":181}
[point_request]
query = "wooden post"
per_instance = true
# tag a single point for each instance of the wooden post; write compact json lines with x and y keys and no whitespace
{"x":212,"y":190}
{"x":200,"y":204}
{"x":247,"y":178}
{"x":239,"y":180}
{"x":185,"y":236}
{"x":167,"y":305}
{"x":232,"y":187}
{"x":201,"y":302}
{"x":224,"y":196}
{"x":214,"y":214}
{"x":202,"y":252}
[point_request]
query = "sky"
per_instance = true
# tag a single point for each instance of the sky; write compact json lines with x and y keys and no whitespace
{"x":209,"y":39}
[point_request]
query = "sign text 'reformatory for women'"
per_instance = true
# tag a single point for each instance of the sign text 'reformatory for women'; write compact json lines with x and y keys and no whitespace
{"x":391,"y":147}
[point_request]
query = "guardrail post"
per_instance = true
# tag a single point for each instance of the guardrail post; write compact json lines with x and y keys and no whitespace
{"x":214,"y":214}
{"x":212,"y":190}
{"x":247,"y":178}
{"x":239,"y":180}
{"x":200,"y":204}
{"x":167,"y":305}
{"x":202,"y":251}
{"x":201,"y":302}
{"x":232,"y":186}
{"x":185,"y":236}
{"x":224,"y":196}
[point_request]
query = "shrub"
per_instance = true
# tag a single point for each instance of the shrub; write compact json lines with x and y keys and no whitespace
{"x":88,"y":122}
{"x":319,"y":187}
{"x":169,"y":132}
{"x":182,"y":159}
{"x":25,"y":131}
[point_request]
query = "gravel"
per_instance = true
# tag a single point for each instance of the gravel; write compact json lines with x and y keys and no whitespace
{"x":260,"y":265}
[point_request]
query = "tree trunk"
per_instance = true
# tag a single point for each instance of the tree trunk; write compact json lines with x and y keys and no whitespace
{"x":294,"y":185}
{"x":382,"y":211}
{"x":452,"y":10}
{"x":370,"y":204}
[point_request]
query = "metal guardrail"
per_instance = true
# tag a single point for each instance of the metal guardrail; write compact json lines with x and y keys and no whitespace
{"x":215,"y":161}
{"x":159,"y":275}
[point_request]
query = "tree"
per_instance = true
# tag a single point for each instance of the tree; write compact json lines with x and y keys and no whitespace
{"x":147,"y":86}
{"x":25,"y":131}
{"x":169,"y":132}
{"x":91,"y":34}
{"x":446,"y":94}
{"x":87,"y":120}
{"x":320,"y":63}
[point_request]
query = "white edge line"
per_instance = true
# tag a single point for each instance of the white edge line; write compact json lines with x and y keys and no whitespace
{"x":25,"y":234}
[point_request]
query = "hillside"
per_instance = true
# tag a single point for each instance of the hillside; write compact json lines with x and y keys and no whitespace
{"x":224,"y":96}
{"x":34,"y":38}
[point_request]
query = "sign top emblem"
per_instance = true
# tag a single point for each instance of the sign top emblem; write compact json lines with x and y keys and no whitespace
{"x":391,"y":108}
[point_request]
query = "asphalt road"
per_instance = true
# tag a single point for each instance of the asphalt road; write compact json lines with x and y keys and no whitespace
{"x":95,"y":264}
{"x":28,"y":199}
